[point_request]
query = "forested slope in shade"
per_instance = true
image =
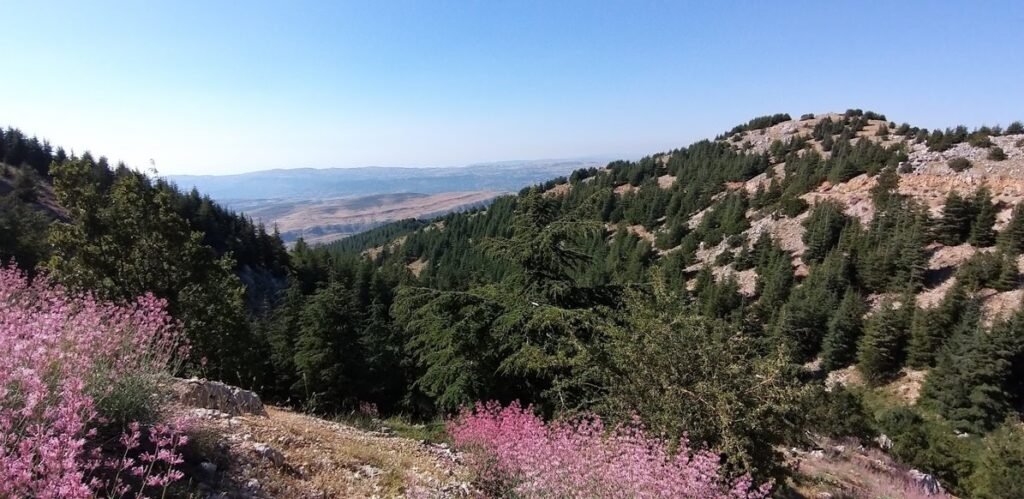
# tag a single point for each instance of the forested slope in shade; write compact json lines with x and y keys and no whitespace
{"x":116,"y":232}
{"x":784,"y":257}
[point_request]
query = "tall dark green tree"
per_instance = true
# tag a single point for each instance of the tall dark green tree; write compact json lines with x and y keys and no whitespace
{"x":982,"y":235}
{"x":1011,"y":239}
{"x":954,"y":226}
{"x":881,"y":351}
{"x":968,"y":384}
{"x":839,"y":348}
{"x":328,"y":358}
{"x":823,"y":228}
{"x":931,"y":329}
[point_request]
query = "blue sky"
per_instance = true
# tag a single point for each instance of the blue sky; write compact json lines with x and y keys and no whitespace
{"x":222,"y":87}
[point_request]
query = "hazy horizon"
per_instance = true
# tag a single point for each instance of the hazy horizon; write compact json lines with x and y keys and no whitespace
{"x":600,"y":158}
{"x":204,"y":88}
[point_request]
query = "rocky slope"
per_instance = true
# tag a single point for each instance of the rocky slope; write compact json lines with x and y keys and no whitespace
{"x":925,"y":176}
{"x":243,"y":449}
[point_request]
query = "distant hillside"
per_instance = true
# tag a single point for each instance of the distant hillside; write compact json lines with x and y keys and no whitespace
{"x":310,"y":183}
{"x":322,"y":221}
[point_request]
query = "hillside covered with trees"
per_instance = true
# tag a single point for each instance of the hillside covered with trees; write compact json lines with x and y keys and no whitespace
{"x":790,"y":283}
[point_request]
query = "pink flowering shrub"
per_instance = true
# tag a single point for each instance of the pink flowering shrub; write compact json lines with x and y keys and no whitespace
{"x":513,"y":452}
{"x":66,"y":357}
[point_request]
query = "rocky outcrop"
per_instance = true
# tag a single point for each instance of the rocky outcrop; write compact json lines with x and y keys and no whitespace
{"x":214,"y":395}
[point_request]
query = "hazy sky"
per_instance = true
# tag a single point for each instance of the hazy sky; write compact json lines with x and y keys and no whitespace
{"x":227,"y":86}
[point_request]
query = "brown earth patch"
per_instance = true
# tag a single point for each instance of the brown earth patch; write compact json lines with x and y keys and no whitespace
{"x":417,"y":266}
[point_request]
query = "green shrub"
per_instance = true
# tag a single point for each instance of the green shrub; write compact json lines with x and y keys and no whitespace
{"x":792,"y":207}
{"x":808,"y":116}
{"x":981,"y":270}
{"x":996,"y":154}
{"x":959,"y":164}
{"x":1015,"y":128}
{"x":1000,"y":464}
{"x":838,"y":413}
{"x":127,"y":398}
{"x":724,"y":258}
{"x":979,"y":140}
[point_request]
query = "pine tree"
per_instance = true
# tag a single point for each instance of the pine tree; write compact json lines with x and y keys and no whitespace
{"x":839,"y":348}
{"x":968,"y":384}
{"x":25,"y":186}
{"x":774,"y":284}
{"x":1011,"y":239}
{"x":912,"y":257}
{"x":327,"y":353}
{"x":843,"y":169}
{"x":881,"y":350}
{"x":887,"y":187}
{"x":827,"y":142}
{"x":824,"y":225}
{"x":1008,"y":273}
{"x":955,"y":224}
{"x":982,"y":235}
{"x":931,"y":328}
{"x":803,"y":320}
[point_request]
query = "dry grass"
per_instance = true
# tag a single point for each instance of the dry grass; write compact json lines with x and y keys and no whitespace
{"x":325,"y":220}
{"x":327,"y":459}
{"x":851,"y":471}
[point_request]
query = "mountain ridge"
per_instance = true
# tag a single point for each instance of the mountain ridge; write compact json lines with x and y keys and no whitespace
{"x":317,"y":183}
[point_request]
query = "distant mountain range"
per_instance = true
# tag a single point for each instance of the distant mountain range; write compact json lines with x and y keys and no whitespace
{"x":327,"y":183}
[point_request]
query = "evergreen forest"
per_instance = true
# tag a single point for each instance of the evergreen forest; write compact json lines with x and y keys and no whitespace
{"x":617,"y":293}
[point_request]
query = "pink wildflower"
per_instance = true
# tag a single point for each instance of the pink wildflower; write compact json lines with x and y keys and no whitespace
{"x":514,"y":451}
{"x":60,"y":352}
